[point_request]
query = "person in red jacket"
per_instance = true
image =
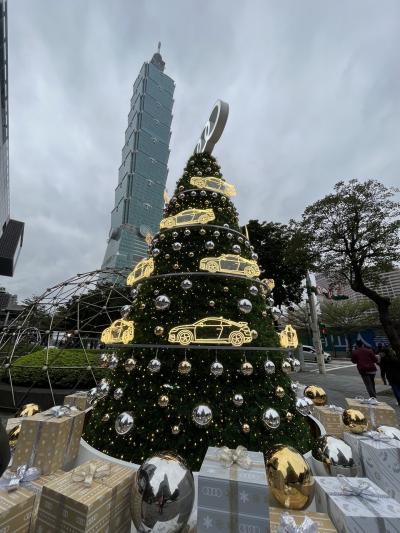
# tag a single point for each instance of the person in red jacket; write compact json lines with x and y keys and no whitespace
{"x":365,"y":360}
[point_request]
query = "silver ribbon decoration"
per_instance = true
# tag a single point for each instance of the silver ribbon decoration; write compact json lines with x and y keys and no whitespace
{"x":91,"y":472}
{"x":360,"y":489}
{"x":58,"y":411}
{"x":12,"y":480}
{"x":288,"y":525}
{"x":335,"y":408}
{"x":239,"y":456}
{"x":372,"y":402}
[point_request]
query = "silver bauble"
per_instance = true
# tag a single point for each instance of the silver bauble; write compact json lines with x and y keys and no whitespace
{"x":238,"y":399}
{"x":295,"y":365}
{"x":303,"y":406}
{"x":203,"y":193}
{"x":253,"y":290}
{"x":271,"y":418}
{"x":113,"y":361}
{"x":174,"y":234}
{"x":244,"y":305}
{"x":186,"y":284}
{"x":193,"y":193}
{"x":162,"y":302}
{"x":214,"y":195}
{"x":163,"y":494}
{"x":124,"y":422}
{"x":103,"y":389}
{"x":286,"y":367}
{"x":389,"y":431}
{"x":162,"y":236}
{"x":229,"y":236}
{"x":332,"y":456}
{"x":186,"y":232}
{"x":202,"y":415}
{"x":181,"y":196}
{"x":176,"y":246}
{"x":236,"y":249}
{"x":155,"y":252}
{"x":125,"y":310}
{"x":154,"y":365}
{"x":104,"y":360}
{"x":240,"y":239}
{"x":118,"y":393}
{"x":191,"y":254}
{"x":254,"y":256}
{"x":210,"y":245}
{"x":216,"y":233}
{"x":269,"y":367}
{"x":92,"y":395}
{"x":134,"y":293}
{"x":202,"y":231}
{"x":216,"y":368}
{"x":225,"y":225}
{"x":129,"y":364}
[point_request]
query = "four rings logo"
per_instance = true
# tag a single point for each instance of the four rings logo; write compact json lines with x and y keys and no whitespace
{"x":248,"y":528}
{"x":212,"y":491}
{"x":213,"y":128}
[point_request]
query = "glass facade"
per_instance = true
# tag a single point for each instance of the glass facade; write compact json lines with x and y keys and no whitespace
{"x":138,"y":206}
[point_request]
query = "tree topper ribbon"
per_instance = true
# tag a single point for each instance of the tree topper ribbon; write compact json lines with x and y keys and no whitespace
{"x":239,"y":456}
{"x":12,"y":480}
{"x":59,"y":411}
{"x":89,"y":472}
{"x":288,"y":525}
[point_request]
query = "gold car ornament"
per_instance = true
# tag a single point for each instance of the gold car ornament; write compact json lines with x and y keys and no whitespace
{"x":212,"y":183}
{"x":120,"y":331}
{"x":211,"y":330}
{"x":187,"y":217}
{"x":230,"y":264}
{"x":143,"y":269}
{"x":288,"y":337}
{"x":269,"y":284}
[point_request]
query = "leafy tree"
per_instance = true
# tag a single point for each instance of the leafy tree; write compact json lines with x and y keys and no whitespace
{"x":356,"y":235}
{"x":284,"y":255}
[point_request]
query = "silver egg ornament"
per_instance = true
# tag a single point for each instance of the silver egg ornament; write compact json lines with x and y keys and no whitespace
{"x":245,"y":306}
{"x":271,"y":418}
{"x":202,"y":415}
{"x":124,"y":422}
{"x":162,"y":302}
{"x":269,"y":367}
{"x":332,"y":457}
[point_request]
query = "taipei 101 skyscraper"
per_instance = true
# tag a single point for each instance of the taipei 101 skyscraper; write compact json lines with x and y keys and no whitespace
{"x":143,"y":172}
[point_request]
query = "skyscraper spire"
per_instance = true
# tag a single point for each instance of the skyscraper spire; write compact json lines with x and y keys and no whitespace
{"x":159,"y":47}
{"x":157,"y":60}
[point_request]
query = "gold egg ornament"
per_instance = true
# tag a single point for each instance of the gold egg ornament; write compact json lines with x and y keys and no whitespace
{"x":289,"y":477}
{"x":316,"y":394}
{"x":28,"y":409}
{"x":355,"y":421}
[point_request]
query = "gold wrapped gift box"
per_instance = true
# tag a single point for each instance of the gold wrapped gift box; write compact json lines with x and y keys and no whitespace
{"x":78,"y":399}
{"x":377,"y":415}
{"x":330,"y":419}
{"x":48,"y":442}
{"x":69,"y":504}
{"x":16,"y":510}
{"x":321,"y":519}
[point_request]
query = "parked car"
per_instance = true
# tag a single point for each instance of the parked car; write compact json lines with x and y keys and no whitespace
{"x":310,"y":354}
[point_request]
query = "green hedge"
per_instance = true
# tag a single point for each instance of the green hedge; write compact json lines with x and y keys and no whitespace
{"x":62,"y":378}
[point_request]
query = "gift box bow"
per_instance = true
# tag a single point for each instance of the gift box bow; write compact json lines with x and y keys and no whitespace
{"x":12,"y":480}
{"x":90,"y":472}
{"x":239,"y":456}
{"x":59,"y":411}
{"x":287,"y":524}
{"x":369,"y":401}
{"x":359,"y":489}
{"x":335,"y":408}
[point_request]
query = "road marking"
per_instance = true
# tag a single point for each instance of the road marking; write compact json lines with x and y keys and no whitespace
{"x":335,"y":368}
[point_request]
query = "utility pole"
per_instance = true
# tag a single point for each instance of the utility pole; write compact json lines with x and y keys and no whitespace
{"x":314,"y":326}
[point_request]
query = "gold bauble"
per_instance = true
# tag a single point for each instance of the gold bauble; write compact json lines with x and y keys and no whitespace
{"x":184,"y":367}
{"x":264,"y":313}
{"x":28,"y":409}
{"x":289,"y":477}
{"x":246,"y":368}
{"x":254,"y":334}
{"x":316,"y":394}
{"x":289,"y":416}
{"x":245,"y":428}
{"x":142,"y":305}
{"x":159,"y":330}
{"x":163,"y":400}
{"x":175,"y":266}
{"x":175,"y":430}
{"x":355,"y":420}
{"x":279,"y":391}
{"x":286,"y":367}
{"x":226,"y":289}
{"x":14,"y":435}
{"x":106,"y":417}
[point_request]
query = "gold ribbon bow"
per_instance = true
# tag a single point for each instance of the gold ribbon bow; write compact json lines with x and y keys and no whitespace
{"x":91,"y":472}
{"x":239,"y":456}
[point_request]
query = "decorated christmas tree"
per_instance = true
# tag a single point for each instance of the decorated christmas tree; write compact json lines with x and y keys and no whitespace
{"x":195,"y":361}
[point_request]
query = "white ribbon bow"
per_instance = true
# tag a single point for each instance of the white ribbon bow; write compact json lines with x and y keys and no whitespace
{"x":239,"y":456}
{"x":288,"y":525}
{"x":61,"y":410}
{"x":369,"y":401}
{"x":12,"y":480}
{"x":335,"y":408}
{"x":361,"y":489}
{"x":91,"y":472}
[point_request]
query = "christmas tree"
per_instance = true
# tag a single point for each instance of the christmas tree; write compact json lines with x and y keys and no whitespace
{"x":198,"y":374}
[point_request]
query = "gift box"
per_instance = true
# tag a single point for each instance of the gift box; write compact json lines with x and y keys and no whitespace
{"x":330,"y":417}
{"x":322,"y":520}
{"x":78,"y":399}
{"x":12,"y":423}
{"x":356,"y":505}
{"x":232,"y":497}
{"x":16,"y":510}
{"x":377,"y":413}
{"x":379,"y":457}
{"x":92,"y":498}
{"x":50,"y":440}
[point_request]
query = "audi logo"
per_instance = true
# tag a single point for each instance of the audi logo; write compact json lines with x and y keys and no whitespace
{"x":212,"y":491}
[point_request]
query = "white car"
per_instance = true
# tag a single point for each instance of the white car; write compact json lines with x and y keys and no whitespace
{"x":311,"y":355}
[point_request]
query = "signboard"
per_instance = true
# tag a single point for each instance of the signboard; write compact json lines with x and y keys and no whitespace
{"x":213,"y":128}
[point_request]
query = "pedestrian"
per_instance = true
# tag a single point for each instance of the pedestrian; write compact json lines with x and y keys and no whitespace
{"x":365,"y":360}
{"x":380,"y":353}
{"x":390,"y":365}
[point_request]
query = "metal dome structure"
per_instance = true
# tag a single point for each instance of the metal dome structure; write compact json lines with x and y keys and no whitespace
{"x":55,"y":340}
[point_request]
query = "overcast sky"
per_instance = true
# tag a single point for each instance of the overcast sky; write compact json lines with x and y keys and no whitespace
{"x":313,"y":88}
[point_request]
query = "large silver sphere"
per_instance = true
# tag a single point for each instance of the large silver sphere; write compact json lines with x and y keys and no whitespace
{"x":271,"y":418}
{"x":332,"y":456}
{"x":186,"y":284}
{"x":162,"y":302}
{"x":154,"y":365}
{"x":244,"y":305}
{"x":163,"y":494}
{"x":202,"y":415}
{"x":124,"y":422}
{"x":269,"y":367}
{"x":393,"y":433}
{"x":216,"y":368}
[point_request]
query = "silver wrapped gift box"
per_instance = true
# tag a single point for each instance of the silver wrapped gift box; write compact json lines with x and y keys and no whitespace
{"x":232,"y":498}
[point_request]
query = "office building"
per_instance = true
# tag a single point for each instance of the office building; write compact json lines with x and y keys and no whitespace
{"x":139,"y":203}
